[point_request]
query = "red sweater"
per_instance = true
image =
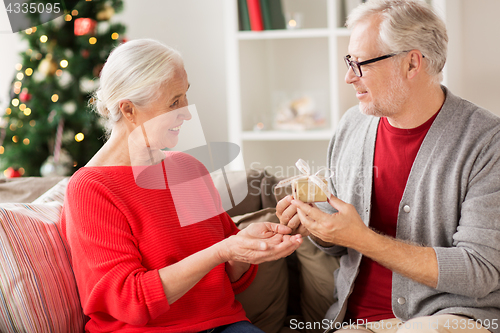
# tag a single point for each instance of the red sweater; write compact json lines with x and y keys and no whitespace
{"x":395,"y":152}
{"x":120,"y":234}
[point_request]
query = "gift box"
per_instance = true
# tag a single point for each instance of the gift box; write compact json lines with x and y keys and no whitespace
{"x":306,"y":187}
{"x":307,"y":191}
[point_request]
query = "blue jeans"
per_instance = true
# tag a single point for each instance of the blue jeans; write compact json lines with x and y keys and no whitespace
{"x":238,"y":327}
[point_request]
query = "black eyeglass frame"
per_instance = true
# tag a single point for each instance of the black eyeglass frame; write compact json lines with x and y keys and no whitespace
{"x":350,"y":63}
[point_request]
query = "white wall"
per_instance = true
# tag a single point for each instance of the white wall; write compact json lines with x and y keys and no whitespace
{"x":195,"y":27}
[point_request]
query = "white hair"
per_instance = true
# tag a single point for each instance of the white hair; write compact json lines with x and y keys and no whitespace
{"x":407,"y":25}
{"x":134,"y":71}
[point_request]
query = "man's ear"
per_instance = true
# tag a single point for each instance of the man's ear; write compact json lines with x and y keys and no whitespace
{"x":415,"y":63}
{"x":128,"y":110}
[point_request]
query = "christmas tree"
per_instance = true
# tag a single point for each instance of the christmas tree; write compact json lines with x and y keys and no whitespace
{"x":49,"y":124}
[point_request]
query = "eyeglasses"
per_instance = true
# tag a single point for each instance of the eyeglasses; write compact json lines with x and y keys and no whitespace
{"x":356,"y":66}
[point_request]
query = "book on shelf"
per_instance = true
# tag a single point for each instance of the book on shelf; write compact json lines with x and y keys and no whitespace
{"x":257,"y":15}
{"x":274,"y":10}
{"x":243,"y":18}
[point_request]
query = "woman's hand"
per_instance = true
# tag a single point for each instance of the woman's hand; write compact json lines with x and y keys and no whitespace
{"x":260,"y":242}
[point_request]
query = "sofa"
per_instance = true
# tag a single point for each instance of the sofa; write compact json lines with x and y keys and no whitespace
{"x":38,"y":292}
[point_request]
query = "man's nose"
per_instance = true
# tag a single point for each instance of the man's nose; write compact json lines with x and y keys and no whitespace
{"x":350,"y":77}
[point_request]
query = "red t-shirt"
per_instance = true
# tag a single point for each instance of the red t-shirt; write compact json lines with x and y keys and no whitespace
{"x":395,"y":152}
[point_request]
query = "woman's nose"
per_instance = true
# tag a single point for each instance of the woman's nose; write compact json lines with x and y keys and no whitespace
{"x":184,"y":113}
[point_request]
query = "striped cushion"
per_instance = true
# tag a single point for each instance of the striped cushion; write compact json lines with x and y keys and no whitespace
{"x":37,"y":288}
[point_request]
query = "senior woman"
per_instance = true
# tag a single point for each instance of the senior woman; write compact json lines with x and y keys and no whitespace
{"x":137,"y":267}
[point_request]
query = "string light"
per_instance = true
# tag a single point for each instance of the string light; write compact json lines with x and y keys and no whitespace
{"x":20,"y":76}
{"x":32,"y":122}
{"x":19,"y":67}
{"x":64,"y":63}
{"x":28,"y":31}
{"x":8,"y":111}
{"x":28,"y":71}
{"x":33,"y":29}
{"x":18,"y":85}
{"x":54,"y":98}
{"x":74,"y":12}
{"x":15,"y":139}
{"x":26,"y":141}
{"x":15,"y":102}
{"x":79,"y":137}
{"x":21,"y":171}
{"x":27,"y":112}
{"x":12,"y":127}
{"x":68,"y":18}
{"x":59,"y":72}
{"x":115,"y":35}
{"x":44,"y":38}
{"x":2,"y":150}
{"x":92,"y":40}
{"x":22,"y":107}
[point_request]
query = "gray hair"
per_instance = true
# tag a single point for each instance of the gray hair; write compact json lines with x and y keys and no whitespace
{"x":134,"y":71}
{"x":407,"y":25}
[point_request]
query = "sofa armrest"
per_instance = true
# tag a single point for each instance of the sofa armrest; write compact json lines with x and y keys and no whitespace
{"x":25,"y":189}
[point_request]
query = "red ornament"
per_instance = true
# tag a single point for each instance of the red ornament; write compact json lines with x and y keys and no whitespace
{"x":85,"y":54}
{"x":12,"y":173}
{"x":24,"y":97}
{"x":84,"y":26}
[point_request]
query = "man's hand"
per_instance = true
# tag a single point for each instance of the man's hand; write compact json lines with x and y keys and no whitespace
{"x":344,"y":228}
{"x":287,"y":214}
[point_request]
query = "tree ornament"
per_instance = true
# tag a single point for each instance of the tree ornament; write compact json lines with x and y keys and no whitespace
{"x":85,"y":53}
{"x":85,"y":26}
{"x":106,"y":13}
{"x":12,"y":172}
{"x":60,"y":168}
{"x":48,"y":66}
{"x":24,"y":96}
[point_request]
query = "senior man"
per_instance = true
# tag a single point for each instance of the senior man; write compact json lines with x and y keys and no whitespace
{"x":415,"y":210}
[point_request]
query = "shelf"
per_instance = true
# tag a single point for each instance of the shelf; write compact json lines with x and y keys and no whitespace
{"x":286,"y":135}
{"x":282,"y":34}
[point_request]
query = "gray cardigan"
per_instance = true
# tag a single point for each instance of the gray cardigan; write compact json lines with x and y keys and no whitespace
{"x":451,"y":203}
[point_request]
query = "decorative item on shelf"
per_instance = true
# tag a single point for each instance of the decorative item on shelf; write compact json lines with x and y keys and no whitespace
{"x":293,"y":20}
{"x":307,"y":187}
{"x":259,"y":127}
{"x":298,"y":113}
{"x":85,"y":26}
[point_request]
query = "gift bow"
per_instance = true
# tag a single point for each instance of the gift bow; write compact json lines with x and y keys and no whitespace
{"x":306,"y":174}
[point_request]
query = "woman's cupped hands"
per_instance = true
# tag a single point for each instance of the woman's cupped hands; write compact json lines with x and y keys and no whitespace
{"x":260,"y":242}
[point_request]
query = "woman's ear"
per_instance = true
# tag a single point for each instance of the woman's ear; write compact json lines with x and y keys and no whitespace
{"x":128,"y":111}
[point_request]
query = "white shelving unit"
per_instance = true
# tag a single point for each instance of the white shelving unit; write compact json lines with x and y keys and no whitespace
{"x":263,"y":64}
